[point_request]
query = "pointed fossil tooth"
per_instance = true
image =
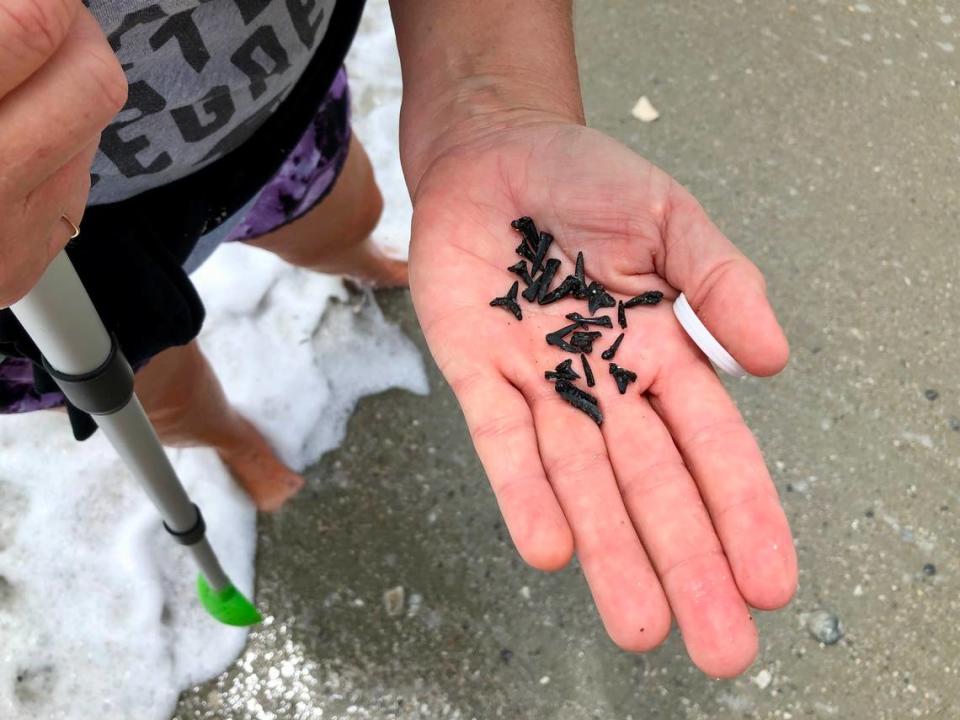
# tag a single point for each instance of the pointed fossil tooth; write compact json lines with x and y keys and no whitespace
{"x":612,"y":350}
{"x":509,"y":301}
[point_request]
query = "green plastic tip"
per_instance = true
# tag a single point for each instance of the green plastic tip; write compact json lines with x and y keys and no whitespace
{"x":229,"y":606}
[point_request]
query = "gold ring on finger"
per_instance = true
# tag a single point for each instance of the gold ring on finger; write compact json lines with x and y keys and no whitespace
{"x":74,"y":228}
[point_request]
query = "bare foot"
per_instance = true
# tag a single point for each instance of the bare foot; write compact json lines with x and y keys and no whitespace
{"x":366,"y":264}
{"x":255,"y":465}
{"x":333,"y":237}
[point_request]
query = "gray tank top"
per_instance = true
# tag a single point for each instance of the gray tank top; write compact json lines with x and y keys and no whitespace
{"x":203,"y":76}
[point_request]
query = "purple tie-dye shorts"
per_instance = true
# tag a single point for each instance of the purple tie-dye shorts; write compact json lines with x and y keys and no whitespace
{"x":305,"y":178}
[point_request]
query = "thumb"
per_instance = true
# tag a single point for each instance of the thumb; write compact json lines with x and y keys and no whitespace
{"x":724,"y":288}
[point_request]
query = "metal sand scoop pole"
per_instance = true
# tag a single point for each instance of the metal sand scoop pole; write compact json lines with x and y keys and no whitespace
{"x":88,"y":366}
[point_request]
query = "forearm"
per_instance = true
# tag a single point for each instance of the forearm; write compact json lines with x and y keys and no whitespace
{"x":471,"y":67}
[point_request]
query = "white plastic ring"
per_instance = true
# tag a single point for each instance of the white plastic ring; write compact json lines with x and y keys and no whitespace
{"x":704,"y":339}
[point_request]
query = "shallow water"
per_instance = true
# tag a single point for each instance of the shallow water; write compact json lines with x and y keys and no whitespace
{"x":98,"y":616}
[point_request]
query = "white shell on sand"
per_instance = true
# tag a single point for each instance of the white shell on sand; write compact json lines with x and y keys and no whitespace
{"x":644,"y":111}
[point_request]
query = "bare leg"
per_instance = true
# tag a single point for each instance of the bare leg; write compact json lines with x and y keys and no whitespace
{"x":334,"y":237}
{"x":186,"y":404}
{"x":179,"y":389}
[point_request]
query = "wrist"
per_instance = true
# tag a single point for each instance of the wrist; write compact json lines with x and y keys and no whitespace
{"x":470,"y":113}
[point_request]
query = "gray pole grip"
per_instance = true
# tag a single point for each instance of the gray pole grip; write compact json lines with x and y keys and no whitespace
{"x":62,"y":321}
{"x":85,"y":362}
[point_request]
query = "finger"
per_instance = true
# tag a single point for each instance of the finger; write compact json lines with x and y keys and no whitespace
{"x":37,"y":232}
{"x":725,"y":289}
{"x":501,"y":427}
{"x":726,"y":462}
{"x":673,"y":524}
{"x":30,"y":32}
{"x":54,"y":115}
{"x":63,"y":194}
{"x":625,"y":587}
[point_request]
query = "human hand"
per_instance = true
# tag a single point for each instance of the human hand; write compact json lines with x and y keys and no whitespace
{"x":668,"y":503}
{"x":60,"y":84}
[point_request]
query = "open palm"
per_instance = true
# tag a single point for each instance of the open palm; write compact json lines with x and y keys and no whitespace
{"x":667,"y":503}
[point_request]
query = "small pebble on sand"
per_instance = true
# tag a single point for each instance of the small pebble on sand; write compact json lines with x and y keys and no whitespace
{"x":825,"y":627}
{"x":931,"y":394}
{"x":393,"y":601}
{"x":214,"y":699}
{"x":762,"y":679}
{"x":416,"y":601}
{"x":545,"y":680}
{"x":929,"y":569}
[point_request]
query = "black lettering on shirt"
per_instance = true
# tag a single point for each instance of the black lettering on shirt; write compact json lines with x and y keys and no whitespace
{"x":123,"y":153}
{"x":218,"y":103}
{"x":264,"y":38}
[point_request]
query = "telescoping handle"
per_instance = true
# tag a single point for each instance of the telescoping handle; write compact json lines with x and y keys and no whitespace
{"x":88,"y":366}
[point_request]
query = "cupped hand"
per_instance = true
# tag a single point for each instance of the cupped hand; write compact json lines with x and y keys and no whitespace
{"x":668,"y":503}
